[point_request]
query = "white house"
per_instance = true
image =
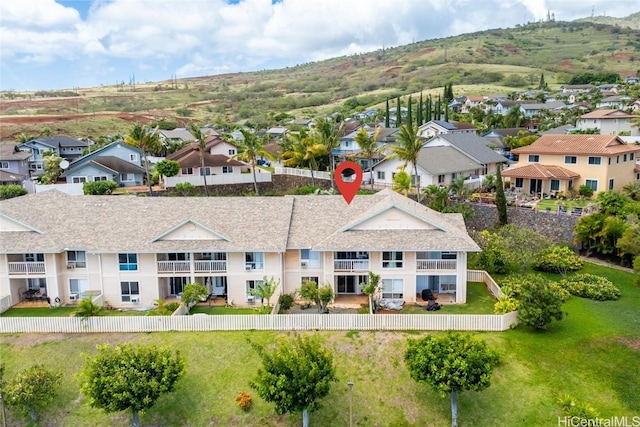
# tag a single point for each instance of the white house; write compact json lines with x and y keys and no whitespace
{"x":132,"y":250}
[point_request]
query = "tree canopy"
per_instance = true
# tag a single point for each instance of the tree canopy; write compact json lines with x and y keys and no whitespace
{"x":295,"y":375}
{"x":130,"y":377}
{"x":32,"y":390}
{"x":450,"y":364}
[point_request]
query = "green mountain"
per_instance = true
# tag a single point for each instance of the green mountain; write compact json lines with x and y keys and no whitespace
{"x":486,"y":62}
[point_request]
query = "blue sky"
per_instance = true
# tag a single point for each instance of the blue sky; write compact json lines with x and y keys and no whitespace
{"x":62,"y":44}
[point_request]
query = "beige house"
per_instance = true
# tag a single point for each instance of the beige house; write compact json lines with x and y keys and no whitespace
{"x":555,"y":163}
{"x":134,"y":250}
{"x":609,"y":122}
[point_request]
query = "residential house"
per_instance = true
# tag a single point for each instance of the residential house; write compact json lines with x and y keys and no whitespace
{"x":609,"y":122}
{"x":177,"y":135}
{"x":66,"y":147}
{"x":117,"y":162}
{"x":472,"y":101}
{"x":228,"y":244}
{"x":14,"y":165}
{"x":475,"y":147}
{"x":436,"y":127}
{"x":632,"y":80}
{"x":634,"y":106}
{"x":577,"y":88}
{"x":503,"y":106}
{"x":531,"y":109}
{"x":556,"y":163}
{"x":559,"y":130}
{"x":217,"y":145}
{"x":305,"y":123}
{"x":614,"y":102}
{"x":349,"y":148}
{"x":496,"y":138}
{"x":277,"y":132}
{"x":225,"y":169}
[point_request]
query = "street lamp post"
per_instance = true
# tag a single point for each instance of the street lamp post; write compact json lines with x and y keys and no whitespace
{"x":350,"y":384}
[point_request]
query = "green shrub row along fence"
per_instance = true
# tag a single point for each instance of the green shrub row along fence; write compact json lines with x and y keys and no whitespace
{"x":277,"y":322}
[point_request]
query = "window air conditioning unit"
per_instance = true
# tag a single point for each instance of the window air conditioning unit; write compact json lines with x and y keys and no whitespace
{"x":251,"y":299}
{"x":304,"y":263}
{"x":135,"y":299}
{"x":74,"y":297}
{"x":248,"y":267}
{"x":71,"y":266}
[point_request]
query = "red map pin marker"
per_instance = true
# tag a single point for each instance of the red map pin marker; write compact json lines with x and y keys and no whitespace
{"x":348,"y":183}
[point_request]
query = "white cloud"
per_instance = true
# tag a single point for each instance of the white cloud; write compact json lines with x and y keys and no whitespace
{"x":198,"y":37}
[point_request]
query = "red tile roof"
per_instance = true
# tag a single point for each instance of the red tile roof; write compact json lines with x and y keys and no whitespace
{"x":538,"y":171}
{"x":578,"y":144}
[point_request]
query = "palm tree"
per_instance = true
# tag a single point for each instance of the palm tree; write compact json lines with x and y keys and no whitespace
{"x":369,"y":147}
{"x":328,"y":133}
{"x":196,"y":131}
{"x":407,"y":148}
{"x":302,"y":150}
{"x":250,"y":150}
{"x":632,"y":190}
{"x":437,"y":197}
{"x":457,"y":188}
{"x":147,"y":141}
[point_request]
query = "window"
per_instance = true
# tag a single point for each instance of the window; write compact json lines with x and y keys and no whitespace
{"x":610,"y":184}
{"x":415,"y":179}
{"x":128,"y":290}
{"x":205,"y":171}
{"x":227,"y":169}
{"x":392,"y":288}
{"x":133,"y":157}
{"x":350,"y":284}
{"x":252,"y":285}
{"x":99,"y":178}
{"x":624,"y":158}
{"x":232,"y":152}
{"x":391,"y":259}
{"x":454,"y":176}
{"x":254,"y":260}
{"x":448,"y":255}
{"x":555,"y":185}
{"x":4,"y":165}
{"x":593,"y":183}
{"x":631,"y":156}
{"x":36,"y":283}
{"x":381,"y":175}
{"x":595,"y":160}
{"x":570,"y":183}
{"x":534,"y":158}
{"x":177,"y":284}
{"x":440,"y":179}
{"x":312,"y":258}
{"x":309,"y":279}
{"x":187,"y":171}
{"x":609,"y":161}
{"x":128,"y":262}
{"x":39,"y":166}
{"x":33,"y":257}
{"x":76,"y":259}
{"x":78,"y":286}
{"x":519,"y":182}
{"x":570,"y":160}
{"x":127,"y":177}
{"x":617,"y":159}
{"x":79,"y":179}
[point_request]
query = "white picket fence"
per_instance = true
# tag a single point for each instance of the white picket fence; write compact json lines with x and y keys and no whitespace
{"x":244,"y":322}
{"x":484,"y":277}
{"x":302,"y":172}
{"x":230,"y":178}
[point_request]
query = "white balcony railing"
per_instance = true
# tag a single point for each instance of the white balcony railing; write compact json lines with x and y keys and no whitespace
{"x":26,"y":268}
{"x":351,"y":264}
{"x":436,"y":264}
{"x":210,"y":266}
{"x":174,"y":266}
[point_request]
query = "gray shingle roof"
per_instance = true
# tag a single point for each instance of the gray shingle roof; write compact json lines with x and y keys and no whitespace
{"x":475,"y":146}
{"x":270,"y":224}
{"x":443,"y":160}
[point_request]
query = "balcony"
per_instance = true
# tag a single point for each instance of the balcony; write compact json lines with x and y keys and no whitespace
{"x":25,"y":268}
{"x":174,"y":266}
{"x":436,"y":264}
{"x":210,"y":266}
{"x":351,"y":264}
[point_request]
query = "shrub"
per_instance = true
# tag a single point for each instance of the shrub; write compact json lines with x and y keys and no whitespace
{"x":286,"y":302}
{"x":11,"y":191}
{"x":308,"y":189}
{"x":585,"y":191}
{"x":99,"y":188}
{"x":558,"y":259}
{"x":243,"y":399}
{"x":505,"y":305}
{"x":185,"y":188}
{"x":574,"y":409}
{"x":591,"y":286}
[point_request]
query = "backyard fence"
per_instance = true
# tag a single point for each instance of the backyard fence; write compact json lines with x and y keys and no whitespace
{"x":244,"y":322}
{"x":302,"y":172}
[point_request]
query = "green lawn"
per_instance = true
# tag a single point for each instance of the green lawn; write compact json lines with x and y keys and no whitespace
{"x":222,"y":310}
{"x":593,"y":354}
{"x":569,"y":204}
{"x":61,"y":312}
{"x":479,"y":301}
